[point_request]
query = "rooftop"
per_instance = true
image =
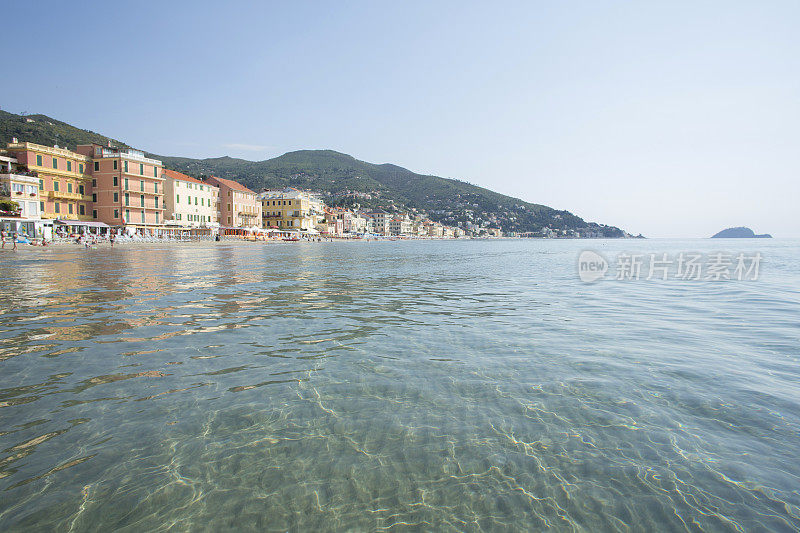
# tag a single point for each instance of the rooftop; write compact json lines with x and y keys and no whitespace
{"x":174,"y":174}
{"x":235,"y":185}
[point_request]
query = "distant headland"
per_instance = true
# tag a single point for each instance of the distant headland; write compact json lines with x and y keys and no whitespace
{"x":740,"y":233}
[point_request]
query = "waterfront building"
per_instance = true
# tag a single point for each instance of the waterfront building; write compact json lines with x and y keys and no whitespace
{"x":127,"y":187}
{"x":62,"y":178}
{"x":291,"y":208}
{"x":434,"y":229}
{"x":189,"y":202}
{"x":355,"y":223}
{"x":21,"y":187}
{"x":400,"y":225}
{"x":239,"y":207}
{"x":18,"y":188}
{"x":380,"y":221}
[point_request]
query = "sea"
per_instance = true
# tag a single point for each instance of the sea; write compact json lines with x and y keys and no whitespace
{"x":463,"y":385}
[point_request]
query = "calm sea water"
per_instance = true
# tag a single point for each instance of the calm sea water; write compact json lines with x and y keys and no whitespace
{"x":395,"y":386}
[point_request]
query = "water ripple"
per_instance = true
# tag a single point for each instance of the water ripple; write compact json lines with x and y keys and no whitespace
{"x":459,"y":386}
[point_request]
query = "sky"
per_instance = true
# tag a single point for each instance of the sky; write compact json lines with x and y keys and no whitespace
{"x":670,"y":119}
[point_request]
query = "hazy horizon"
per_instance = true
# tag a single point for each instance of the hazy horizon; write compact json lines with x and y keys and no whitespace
{"x":675,"y":120}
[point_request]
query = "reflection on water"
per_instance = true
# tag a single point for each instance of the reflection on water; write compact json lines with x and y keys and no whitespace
{"x":433,"y":385}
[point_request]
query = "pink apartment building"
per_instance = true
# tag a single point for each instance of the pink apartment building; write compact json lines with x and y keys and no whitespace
{"x":239,"y":207}
{"x":127,"y":187}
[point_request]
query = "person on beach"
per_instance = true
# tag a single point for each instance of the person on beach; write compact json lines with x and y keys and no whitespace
{"x":3,"y":238}
{"x":111,"y":236}
{"x":14,"y":237}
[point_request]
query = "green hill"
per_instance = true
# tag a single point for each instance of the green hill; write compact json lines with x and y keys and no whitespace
{"x":343,"y":180}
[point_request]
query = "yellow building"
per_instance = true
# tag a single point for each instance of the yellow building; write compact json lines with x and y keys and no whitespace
{"x":291,"y":209}
{"x":64,"y":182}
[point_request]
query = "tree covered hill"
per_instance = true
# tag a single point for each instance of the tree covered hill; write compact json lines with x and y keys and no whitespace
{"x":344,"y":180}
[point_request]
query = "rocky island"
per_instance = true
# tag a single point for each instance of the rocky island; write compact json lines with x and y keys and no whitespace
{"x":740,"y":233}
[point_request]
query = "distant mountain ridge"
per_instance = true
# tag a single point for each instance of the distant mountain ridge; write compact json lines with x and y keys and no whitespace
{"x":345,"y":181}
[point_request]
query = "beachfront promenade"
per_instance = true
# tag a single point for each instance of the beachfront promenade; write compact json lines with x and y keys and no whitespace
{"x":99,"y":192}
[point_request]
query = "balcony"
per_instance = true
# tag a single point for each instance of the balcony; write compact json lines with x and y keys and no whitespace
{"x":20,"y":195}
{"x":64,"y":195}
{"x":66,"y":216}
{"x":146,"y":193}
{"x":21,"y":176}
{"x":138,"y":207}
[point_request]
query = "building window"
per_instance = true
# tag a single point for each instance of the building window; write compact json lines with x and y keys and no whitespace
{"x":38,"y":160}
{"x":94,"y":197}
{"x":115,"y":164}
{"x":177,"y":198}
{"x":126,"y":184}
{"x":41,"y":207}
{"x":127,"y":199}
{"x":156,"y":202}
{"x":155,"y":188}
{"x":229,"y":208}
{"x":69,"y":166}
{"x":94,"y":182}
{"x":141,"y":185}
{"x":229,"y":220}
{"x":57,"y":207}
{"x":80,"y":189}
{"x":97,"y":166}
{"x":41,"y":185}
{"x":81,"y":210}
{"x":127,"y":215}
{"x":116,"y":197}
{"x":189,"y":199}
{"x":80,"y":168}
{"x":116,"y":213}
{"x":55,"y":162}
{"x":116,"y":181}
{"x":195,"y":200}
{"x":69,"y":187}
{"x":156,"y":217}
{"x":141,"y":198}
{"x":94,"y":213}
{"x":125,"y":164}
{"x":69,"y":208}
{"x":155,"y":174}
{"x":142,"y":216}
{"x":55,"y":186}
{"x":141,"y":169}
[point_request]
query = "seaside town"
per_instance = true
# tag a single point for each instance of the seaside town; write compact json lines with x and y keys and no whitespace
{"x":50,"y":193}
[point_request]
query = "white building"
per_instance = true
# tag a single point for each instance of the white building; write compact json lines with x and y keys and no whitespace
{"x":380,"y":222}
{"x":400,"y":225}
{"x":189,"y":202}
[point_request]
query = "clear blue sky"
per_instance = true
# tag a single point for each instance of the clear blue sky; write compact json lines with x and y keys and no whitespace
{"x":667,"y":118}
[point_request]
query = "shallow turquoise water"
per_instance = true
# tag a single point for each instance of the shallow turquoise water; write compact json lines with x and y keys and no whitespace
{"x":473,"y":385}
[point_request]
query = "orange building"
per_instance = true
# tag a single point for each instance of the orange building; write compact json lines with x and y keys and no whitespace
{"x":64,"y":181}
{"x":128,"y":188}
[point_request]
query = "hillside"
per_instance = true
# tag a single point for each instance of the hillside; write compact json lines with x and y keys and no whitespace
{"x":344,"y":181}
